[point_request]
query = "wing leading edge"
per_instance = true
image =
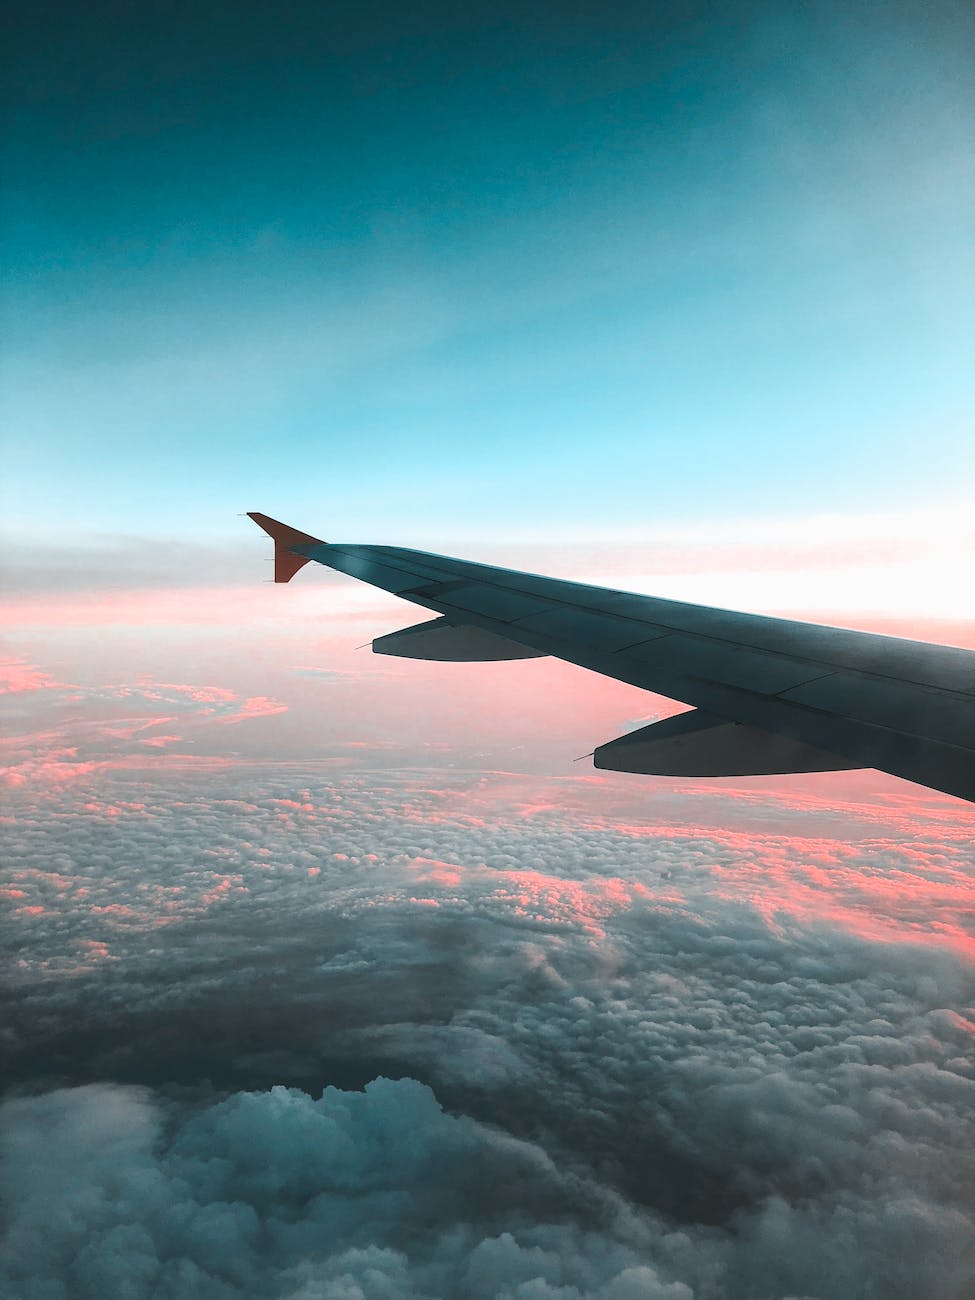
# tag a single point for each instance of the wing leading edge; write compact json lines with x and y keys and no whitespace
{"x":771,"y":695}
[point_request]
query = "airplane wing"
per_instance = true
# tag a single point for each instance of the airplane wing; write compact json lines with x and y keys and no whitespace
{"x":770,"y":695}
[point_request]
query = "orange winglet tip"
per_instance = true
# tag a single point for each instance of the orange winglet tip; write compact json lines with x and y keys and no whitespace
{"x":286,"y":562}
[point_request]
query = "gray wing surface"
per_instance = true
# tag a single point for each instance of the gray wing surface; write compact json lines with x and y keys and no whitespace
{"x":770,"y":695}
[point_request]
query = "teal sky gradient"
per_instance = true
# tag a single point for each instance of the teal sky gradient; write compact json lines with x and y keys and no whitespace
{"x":567,"y":266}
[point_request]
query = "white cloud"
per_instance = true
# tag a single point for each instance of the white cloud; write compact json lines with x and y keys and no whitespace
{"x":738,"y":1064}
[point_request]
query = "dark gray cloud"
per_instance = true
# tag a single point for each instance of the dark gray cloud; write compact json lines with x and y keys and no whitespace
{"x":671,"y":1063}
{"x":371,"y":1193}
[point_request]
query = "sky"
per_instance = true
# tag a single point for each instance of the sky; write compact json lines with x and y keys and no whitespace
{"x":484,"y":268}
{"x":337,"y":977}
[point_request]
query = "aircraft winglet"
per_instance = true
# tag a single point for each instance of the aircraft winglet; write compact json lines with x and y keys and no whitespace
{"x":286,"y":562}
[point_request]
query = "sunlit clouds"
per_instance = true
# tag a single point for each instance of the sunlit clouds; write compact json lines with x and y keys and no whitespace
{"x":580,"y":1034}
{"x":699,"y":1039}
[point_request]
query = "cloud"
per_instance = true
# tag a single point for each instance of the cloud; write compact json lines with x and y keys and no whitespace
{"x":17,"y":675}
{"x":623,"y":1060}
{"x":372,"y":1193}
{"x":255,"y":706}
{"x":119,"y":723}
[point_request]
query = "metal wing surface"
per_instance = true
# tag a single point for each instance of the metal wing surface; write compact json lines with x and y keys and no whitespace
{"x":770,"y":695}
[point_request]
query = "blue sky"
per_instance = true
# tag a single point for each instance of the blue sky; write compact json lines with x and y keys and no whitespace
{"x":569,"y":267}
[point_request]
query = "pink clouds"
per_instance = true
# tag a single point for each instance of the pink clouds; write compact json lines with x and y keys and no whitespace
{"x":50,"y":773}
{"x":444,"y":874}
{"x":96,"y":950}
{"x":219,"y":891}
{"x":56,"y":767}
{"x":18,"y":676}
{"x":804,"y":848}
{"x":133,"y":729}
{"x":197,"y":694}
{"x":879,"y":888}
{"x":716,"y":991}
{"x":712,"y":1016}
{"x":257,"y":706}
{"x":531,"y":894}
{"x":849,"y":865}
{"x":889,"y":874}
{"x":118,"y":723}
{"x":217,"y":702}
{"x":857,"y":891}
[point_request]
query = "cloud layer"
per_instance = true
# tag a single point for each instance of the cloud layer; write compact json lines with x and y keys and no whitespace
{"x":643,"y":1058}
{"x":371,"y":1193}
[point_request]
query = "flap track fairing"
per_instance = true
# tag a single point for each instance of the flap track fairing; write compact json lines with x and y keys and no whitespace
{"x":699,"y":744}
{"x":451,"y":643}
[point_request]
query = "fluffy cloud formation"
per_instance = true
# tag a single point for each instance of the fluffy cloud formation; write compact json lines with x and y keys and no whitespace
{"x":18,"y":675}
{"x":624,"y":1058}
{"x":116,"y":721}
{"x":372,"y":1193}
